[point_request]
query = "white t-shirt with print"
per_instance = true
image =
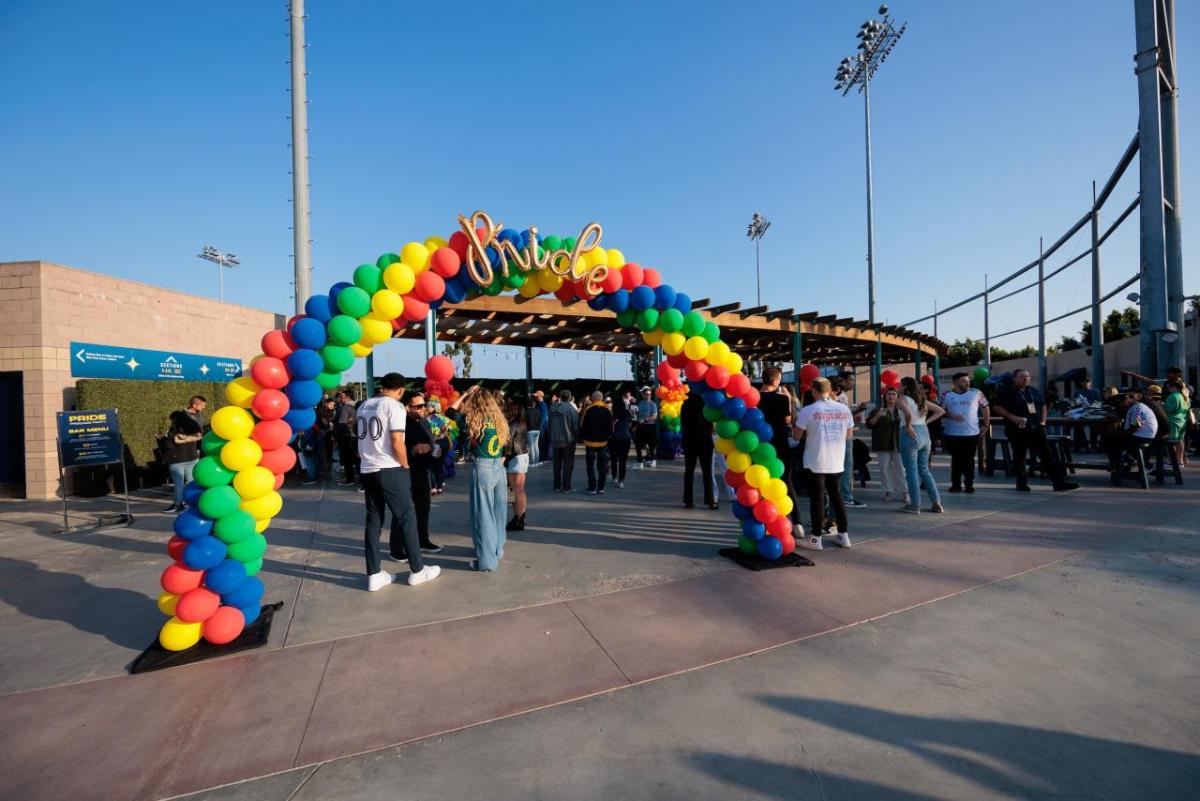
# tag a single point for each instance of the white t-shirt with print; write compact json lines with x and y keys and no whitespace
{"x":377,"y":418}
{"x":1142,"y":416}
{"x":825,"y":424}
{"x":966,"y":404}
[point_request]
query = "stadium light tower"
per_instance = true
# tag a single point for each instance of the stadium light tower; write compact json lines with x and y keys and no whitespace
{"x":222,"y":260}
{"x":756,"y":230}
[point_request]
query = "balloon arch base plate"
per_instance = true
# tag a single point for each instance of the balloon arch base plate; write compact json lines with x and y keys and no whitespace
{"x":756,"y":562}
{"x":255,"y":635}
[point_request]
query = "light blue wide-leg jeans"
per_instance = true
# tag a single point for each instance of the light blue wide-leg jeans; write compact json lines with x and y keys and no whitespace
{"x":488,"y":511}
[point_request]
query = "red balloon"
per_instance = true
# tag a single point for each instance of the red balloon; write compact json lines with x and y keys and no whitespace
{"x":430,"y":287}
{"x":415,"y":309}
{"x":765,"y":511}
{"x":613,"y":281}
{"x":751,"y":397}
{"x":196,"y":605}
{"x":278,"y":481}
{"x":565,"y":293}
{"x":747,"y":495}
{"x":178,"y":578}
{"x":175,"y":547}
{"x":808,"y":372}
{"x":717,"y":377}
{"x":738,"y":384}
{"x":632,"y":275}
{"x":927,"y":379}
{"x":445,"y":262}
{"x":295,"y":319}
{"x":272,"y":434}
{"x":787,"y":541}
{"x":224,"y":626}
{"x":696,"y":371}
{"x":458,"y":243}
{"x":270,"y":404}
{"x":269,"y":373}
{"x":679,"y":360}
{"x":439,"y":368}
{"x":889,"y":377}
{"x":735,"y":480}
{"x":279,"y":461}
{"x":666,"y":373}
{"x":278,"y":344}
{"x":651,"y":278}
{"x":780,"y":527}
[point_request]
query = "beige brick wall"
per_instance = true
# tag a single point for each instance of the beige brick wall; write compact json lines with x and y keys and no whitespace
{"x":44,"y":306}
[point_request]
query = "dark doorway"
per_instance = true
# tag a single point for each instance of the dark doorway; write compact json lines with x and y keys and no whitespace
{"x":12,"y":435}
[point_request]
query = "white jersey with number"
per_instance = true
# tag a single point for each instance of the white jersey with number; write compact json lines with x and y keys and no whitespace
{"x":375,"y":421}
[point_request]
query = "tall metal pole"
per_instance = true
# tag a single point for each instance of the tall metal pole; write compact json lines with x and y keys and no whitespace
{"x":1097,"y":343}
{"x":302,"y":245}
{"x":1177,"y":351}
{"x":797,"y":354}
{"x":528,"y":372}
{"x":877,"y":369}
{"x":758,"y":273}
{"x":431,"y":334}
{"x":987,"y":331}
{"x":937,"y":359}
{"x":221,"y":278}
{"x":1041,"y":316}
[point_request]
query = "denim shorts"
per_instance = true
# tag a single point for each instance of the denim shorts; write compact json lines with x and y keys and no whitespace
{"x":518,"y":464}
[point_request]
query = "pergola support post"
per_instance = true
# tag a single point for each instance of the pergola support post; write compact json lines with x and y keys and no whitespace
{"x":797,"y":356}
{"x":528,"y":372}
{"x":370,"y":376}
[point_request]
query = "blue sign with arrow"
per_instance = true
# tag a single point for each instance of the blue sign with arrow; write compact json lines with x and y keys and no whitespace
{"x":113,"y":361}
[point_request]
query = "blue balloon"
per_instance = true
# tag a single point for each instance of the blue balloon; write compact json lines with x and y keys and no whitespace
{"x":734,"y":408}
{"x":317,"y":307}
{"x":753,"y":529}
{"x":455,"y":292}
{"x":764,"y":432}
{"x":309,"y":333}
{"x":742,"y":512}
{"x":697,"y":387}
{"x":304,"y":364}
{"x":301,"y":419}
{"x":770,"y":548}
{"x":494,"y":257}
{"x":683,"y":302}
{"x":251,"y":613}
{"x":664,"y":297}
{"x":714,"y":398}
{"x":598,"y":303}
{"x":204,"y":552}
{"x":248,"y":593}
{"x":336,"y":290}
{"x":509,"y":235}
{"x":618,"y":301}
{"x":192,"y":525}
{"x":753,"y":418}
{"x":641,"y":298}
{"x":191,"y":493}
{"x":304,"y":394}
{"x":226,"y":577}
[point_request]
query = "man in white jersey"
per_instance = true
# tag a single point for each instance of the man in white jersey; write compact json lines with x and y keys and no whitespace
{"x":379,"y":426}
{"x":827,"y":428}
{"x":964,"y":406}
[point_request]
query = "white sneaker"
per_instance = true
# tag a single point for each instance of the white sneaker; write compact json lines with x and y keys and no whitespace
{"x":620,"y":485}
{"x":797,"y":532}
{"x":842,"y":539}
{"x":428,"y":573}
{"x":378,"y":581}
{"x":641,"y":466}
{"x":654,"y":463}
{"x":810,"y":544}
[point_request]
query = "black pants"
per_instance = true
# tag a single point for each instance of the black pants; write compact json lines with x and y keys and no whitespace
{"x":698,"y":451}
{"x":821,"y":485}
{"x":645,"y":438}
{"x":421,"y":501}
{"x":789,"y":478}
{"x":618,"y":456}
{"x":1116,"y":442}
{"x":597,"y":466}
{"x":564,"y":466}
{"x":348,"y":455}
{"x":389,"y":490}
{"x":1032,"y":440}
{"x":437,"y":467}
{"x":962,"y":458}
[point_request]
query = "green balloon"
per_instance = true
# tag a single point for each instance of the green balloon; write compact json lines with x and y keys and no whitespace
{"x":386,"y":260}
{"x":211,"y":444}
{"x":568,"y":243}
{"x":711,"y":413}
{"x":671,"y":320}
{"x":764,"y":454}
{"x":693,"y":324}
{"x":626,"y":318}
{"x":711,"y":332}
{"x":747,"y":545}
{"x":368,"y":278}
{"x":344,"y":330}
{"x":234,"y":527}
{"x":337,"y":358}
{"x":329,"y":381}
{"x":775,"y":468}
{"x":216,"y":502}
{"x":209,"y":472}
{"x":249,"y":549}
{"x":552,"y":243}
{"x":728,"y":429}
{"x":747,"y":441}
{"x":647,"y":319}
{"x":982,"y":374}
{"x":253,"y":567}
{"x":494,"y":288}
{"x":515,"y":279}
{"x":354,"y":300}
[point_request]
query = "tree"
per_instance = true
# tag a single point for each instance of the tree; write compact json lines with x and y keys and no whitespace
{"x":642,"y":367}
{"x":1069,"y":343}
{"x":1117,"y":325}
{"x":461,"y":352}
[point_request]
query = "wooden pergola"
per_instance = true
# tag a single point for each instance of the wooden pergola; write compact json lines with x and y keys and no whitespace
{"x":757,"y":334}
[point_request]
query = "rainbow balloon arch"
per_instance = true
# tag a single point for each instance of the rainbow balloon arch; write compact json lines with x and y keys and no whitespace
{"x":211,"y":590}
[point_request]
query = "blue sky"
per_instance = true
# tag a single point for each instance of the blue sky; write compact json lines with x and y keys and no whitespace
{"x":135,"y":132}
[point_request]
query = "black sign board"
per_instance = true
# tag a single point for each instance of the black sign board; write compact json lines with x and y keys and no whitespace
{"x":89,"y":437}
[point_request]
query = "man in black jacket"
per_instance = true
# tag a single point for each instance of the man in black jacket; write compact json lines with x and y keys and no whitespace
{"x":697,"y":447}
{"x":420,"y":442}
{"x":595,"y":429}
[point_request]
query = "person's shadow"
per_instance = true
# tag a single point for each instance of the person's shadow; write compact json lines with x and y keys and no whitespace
{"x":124,"y":617}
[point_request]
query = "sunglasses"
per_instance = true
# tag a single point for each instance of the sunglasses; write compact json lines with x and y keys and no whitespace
{"x":418,"y":406}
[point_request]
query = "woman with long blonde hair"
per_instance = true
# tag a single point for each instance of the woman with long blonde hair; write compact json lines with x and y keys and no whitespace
{"x":486,"y":434}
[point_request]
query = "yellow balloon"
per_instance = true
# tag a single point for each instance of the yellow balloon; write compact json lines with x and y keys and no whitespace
{"x":360,"y":350}
{"x":232,"y":422}
{"x":717,"y":353}
{"x":673,"y":343}
{"x":548,"y":281}
{"x":254,"y":482}
{"x":738,"y":461}
{"x":241,"y":454}
{"x":696,"y":348}
{"x":594,"y":257}
{"x":653,"y":338}
{"x":757,"y":476}
{"x":166,"y":603}
{"x":529,"y":289}
{"x":774,"y":490}
{"x":375,"y":329}
{"x":264,"y":508}
{"x":416,"y":256}
{"x":241,"y":391}
{"x":616,"y":259}
{"x":176,"y":635}
{"x":261,"y":525}
{"x":435,"y":242}
{"x":399,"y":278}
{"x":734,"y":363}
{"x":387,"y":304}
{"x":725,"y":446}
{"x":784,"y":506}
